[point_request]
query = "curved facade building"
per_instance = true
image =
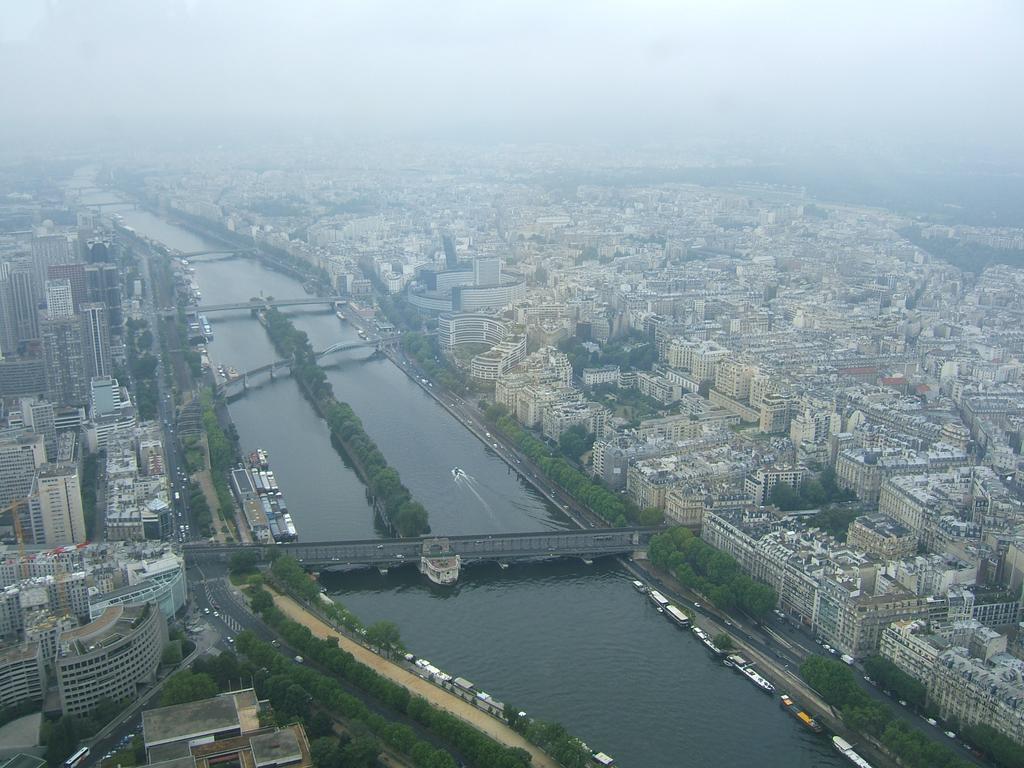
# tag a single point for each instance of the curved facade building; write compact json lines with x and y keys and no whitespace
{"x":470,"y":328}
{"x":109,"y":657}
{"x":161,"y":581}
{"x":500,"y":359}
{"x":470,"y":298}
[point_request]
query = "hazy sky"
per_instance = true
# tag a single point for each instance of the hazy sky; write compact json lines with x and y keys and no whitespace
{"x":936,"y":71}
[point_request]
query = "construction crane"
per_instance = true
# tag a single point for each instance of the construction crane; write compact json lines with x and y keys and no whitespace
{"x":19,"y":533}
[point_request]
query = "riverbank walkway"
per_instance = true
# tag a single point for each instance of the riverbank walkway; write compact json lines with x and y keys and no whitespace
{"x":440,"y":698}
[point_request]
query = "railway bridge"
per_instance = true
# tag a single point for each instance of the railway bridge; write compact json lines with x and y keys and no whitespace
{"x":501,"y":548}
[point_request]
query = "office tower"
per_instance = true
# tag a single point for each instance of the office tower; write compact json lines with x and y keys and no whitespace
{"x":47,"y":250}
{"x":450,"y":259}
{"x":56,"y":513}
{"x":8,"y":343}
{"x":487,"y":270}
{"x":97,"y":340}
{"x":103,"y":286}
{"x":60,"y":302}
{"x":21,"y":454}
{"x":24,"y":301}
{"x":75,"y":273}
{"x":104,"y":396}
{"x":41,"y":417}
{"x":67,"y":371}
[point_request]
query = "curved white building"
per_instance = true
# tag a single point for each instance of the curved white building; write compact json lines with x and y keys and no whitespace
{"x":110,"y":657}
{"x":470,"y":328}
{"x":500,"y":359}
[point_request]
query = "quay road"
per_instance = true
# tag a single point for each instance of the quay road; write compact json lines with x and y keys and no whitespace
{"x":501,"y":548}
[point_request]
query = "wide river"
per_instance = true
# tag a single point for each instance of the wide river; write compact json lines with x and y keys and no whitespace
{"x":567,"y":641}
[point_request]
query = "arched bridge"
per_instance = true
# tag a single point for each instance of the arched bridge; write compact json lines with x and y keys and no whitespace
{"x":306,"y":301}
{"x":279,"y":367}
{"x":502,"y":548}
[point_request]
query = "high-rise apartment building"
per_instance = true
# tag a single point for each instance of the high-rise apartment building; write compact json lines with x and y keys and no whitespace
{"x":67,"y":369}
{"x":56,"y":506}
{"x":24,"y":302}
{"x":21,"y":454}
{"x":47,"y":250}
{"x":97,"y":339}
{"x":103,"y":286}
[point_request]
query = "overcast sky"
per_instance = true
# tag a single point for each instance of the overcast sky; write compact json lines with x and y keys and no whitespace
{"x":936,"y":71}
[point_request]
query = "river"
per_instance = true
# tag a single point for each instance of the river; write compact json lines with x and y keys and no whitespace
{"x":565,"y":641}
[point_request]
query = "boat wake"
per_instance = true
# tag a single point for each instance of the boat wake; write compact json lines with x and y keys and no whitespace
{"x":469,"y":482}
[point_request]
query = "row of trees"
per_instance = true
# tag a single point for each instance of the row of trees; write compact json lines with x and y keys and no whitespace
{"x":713,"y":573}
{"x":407,"y":516}
{"x":616,"y":510}
{"x":199,"y":509}
{"x":327,"y":692}
{"x":835,"y":682}
{"x":222,"y":455}
{"x":292,"y":578}
{"x":90,"y":474}
{"x":423,"y":349}
{"x":892,"y":678}
{"x":142,"y":365}
{"x":1003,"y":750}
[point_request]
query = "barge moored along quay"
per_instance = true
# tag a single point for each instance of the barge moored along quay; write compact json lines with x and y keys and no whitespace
{"x":261,"y":499}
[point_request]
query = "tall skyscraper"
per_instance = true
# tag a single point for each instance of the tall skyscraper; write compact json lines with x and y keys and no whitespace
{"x":47,"y":250}
{"x":67,"y":370}
{"x":103,"y":286}
{"x":75,"y":273}
{"x":56,"y":512}
{"x":451,"y":260}
{"x":21,"y":454}
{"x":24,"y":301}
{"x":60,"y":302}
{"x":97,"y":339}
{"x":8,"y":342}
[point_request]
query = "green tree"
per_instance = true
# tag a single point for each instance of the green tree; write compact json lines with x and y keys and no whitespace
{"x":575,"y":441}
{"x":185,"y":686}
{"x":243,"y":560}
{"x":386,"y":636}
{"x":171,"y":654}
{"x":724,"y":642}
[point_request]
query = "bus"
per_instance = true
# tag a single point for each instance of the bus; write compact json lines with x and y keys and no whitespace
{"x":77,"y":759}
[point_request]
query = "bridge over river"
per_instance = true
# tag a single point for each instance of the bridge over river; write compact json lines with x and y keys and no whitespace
{"x":238,"y":385}
{"x":501,"y":548}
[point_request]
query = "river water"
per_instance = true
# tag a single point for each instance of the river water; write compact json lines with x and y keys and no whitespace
{"x":566,"y":641}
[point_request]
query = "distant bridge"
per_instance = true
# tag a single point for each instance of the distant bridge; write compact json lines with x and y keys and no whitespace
{"x":212,"y":252}
{"x":501,"y":548}
{"x":283,"y":367}
{"x":306,"y":301}
{"x":120,"y":203}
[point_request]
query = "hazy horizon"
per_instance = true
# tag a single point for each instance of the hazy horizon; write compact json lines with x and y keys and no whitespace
{"x":935,"y":79}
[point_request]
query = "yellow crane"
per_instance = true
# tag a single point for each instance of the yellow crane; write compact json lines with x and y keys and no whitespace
{"x":19,"y":533}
